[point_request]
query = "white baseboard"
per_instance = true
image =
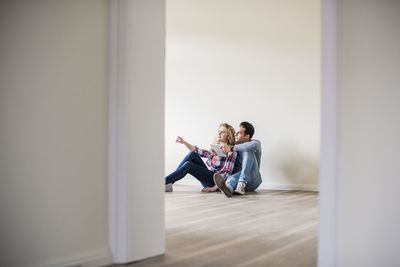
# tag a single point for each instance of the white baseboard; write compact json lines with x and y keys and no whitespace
{"x":268,"y":186}
{"x":94,"y":260}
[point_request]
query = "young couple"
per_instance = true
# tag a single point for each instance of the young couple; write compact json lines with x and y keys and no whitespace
{"x":238,"y":171}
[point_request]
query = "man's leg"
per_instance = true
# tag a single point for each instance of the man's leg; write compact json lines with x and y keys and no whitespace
{"x":250,"y":175}
{"x":232,"y":181}
{"x":220,"y":182}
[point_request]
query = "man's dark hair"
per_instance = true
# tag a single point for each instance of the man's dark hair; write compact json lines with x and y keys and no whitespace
{"x":248,"y":128}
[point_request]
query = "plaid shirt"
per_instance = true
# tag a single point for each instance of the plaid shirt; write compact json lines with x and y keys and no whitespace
{"x":223,"y":165}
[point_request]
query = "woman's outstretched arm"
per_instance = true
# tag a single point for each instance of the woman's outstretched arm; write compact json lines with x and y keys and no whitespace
{"x":181,"y":141}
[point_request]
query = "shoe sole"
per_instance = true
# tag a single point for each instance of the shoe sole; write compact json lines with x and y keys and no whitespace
{"x":220,"y":182}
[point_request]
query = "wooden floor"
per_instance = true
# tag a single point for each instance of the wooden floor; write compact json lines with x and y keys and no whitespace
{"x":263,"y":228}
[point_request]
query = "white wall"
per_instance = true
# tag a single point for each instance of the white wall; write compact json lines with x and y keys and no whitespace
{"x":369,"y":130}
{"x":53,"y":141}
{"x":230,"y":61}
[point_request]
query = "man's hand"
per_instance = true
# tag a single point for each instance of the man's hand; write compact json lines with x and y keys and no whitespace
{"x":225,"y":148}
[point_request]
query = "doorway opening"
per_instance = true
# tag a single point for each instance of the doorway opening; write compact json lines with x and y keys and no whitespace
{"x":258,"y":62}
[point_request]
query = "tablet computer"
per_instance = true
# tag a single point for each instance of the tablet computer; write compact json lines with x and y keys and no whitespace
{"x":217,"y":150}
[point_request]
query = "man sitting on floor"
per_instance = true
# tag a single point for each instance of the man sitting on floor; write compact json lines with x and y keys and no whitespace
{"x":246,"y":173}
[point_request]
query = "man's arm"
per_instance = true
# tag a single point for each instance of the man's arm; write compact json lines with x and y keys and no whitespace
{"x":253,"y":145}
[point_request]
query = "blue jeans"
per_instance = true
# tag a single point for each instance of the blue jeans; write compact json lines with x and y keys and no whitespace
{"x":195,"y":166}
{"x":249,"y":173}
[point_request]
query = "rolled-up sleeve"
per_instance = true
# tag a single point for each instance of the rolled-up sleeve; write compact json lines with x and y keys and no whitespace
{"x":202,"y":152}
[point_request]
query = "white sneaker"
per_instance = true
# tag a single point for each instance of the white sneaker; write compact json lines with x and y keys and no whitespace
{"x":240,"y":189}
{"x":168,"y":187}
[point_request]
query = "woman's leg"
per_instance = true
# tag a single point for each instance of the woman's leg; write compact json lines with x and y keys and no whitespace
{"x":201,"y":173}
{"x":192,"y":157}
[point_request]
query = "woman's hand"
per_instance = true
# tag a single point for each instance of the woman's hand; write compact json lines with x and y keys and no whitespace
{"x":180,"y":140}
{"x":209,"y":189}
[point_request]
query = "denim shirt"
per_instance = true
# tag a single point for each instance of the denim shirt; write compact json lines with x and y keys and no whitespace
{"x":251,"y":146}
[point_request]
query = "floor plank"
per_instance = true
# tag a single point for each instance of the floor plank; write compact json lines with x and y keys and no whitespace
{"x":262,"y":228}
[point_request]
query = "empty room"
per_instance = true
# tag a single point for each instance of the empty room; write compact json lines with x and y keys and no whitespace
{"x":199,"y":133}
{"x":231,"y":62}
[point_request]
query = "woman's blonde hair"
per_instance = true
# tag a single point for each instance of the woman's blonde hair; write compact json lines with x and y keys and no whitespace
{"x":230,"y":138}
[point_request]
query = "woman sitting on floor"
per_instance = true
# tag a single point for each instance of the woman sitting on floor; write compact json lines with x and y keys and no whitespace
{"x":194,"y":165}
